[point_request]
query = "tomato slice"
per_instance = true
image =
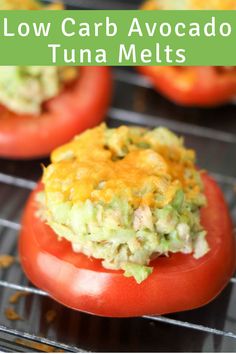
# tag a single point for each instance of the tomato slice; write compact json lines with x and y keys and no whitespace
{"x":202,"y":86}
{"x":177,"y":283}
{"x":80,"y":106}
{"x":194,"y":86}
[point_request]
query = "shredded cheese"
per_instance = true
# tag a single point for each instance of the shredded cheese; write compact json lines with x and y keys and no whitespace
{"x":189,"y":5}
{"x":87,"y":169}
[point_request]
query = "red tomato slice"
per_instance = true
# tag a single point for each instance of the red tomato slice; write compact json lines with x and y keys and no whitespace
{"x":194,"y":86}
{"x":81,"y":106}
{"x":177,"y":283}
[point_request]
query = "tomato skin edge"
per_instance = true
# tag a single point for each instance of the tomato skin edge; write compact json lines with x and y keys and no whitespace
{"x":205,"y":91}
{"x":207,"y":88}
{"x":71,"y":112}
{"x":178,"y":283}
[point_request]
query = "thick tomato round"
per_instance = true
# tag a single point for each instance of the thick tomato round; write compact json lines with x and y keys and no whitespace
{"x":202,"y":86}
{"x":177,"y":283}
{"x":194,"y":86}
{"x":80,"y":106}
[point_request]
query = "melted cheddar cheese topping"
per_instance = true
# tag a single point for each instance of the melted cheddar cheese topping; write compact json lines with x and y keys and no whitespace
{"x":190,"y":5}
{"x":28,"y":5}
{"x":212,"y":4}
{"x":129,"y":163}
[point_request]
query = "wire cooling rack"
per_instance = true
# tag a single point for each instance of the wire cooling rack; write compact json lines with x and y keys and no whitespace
{"x":212,"y":133}
{"x":99,"y":4}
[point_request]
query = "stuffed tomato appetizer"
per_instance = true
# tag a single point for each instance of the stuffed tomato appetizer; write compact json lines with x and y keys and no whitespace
{"x":43,"y":107}
{"x":202,"y":86}
{"x":123,"y":224}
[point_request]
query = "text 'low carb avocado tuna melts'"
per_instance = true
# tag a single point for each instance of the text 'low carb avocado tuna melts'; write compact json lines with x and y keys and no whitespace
{"x":121,"y":218}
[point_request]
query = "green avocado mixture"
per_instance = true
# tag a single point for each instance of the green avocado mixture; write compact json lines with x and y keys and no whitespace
{"x":115,"y":195}
{"x":24,"y":89}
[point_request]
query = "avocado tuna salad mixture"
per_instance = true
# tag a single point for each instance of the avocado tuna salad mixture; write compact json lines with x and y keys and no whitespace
{"x":125,"y":196}
{"x":24,"y":89}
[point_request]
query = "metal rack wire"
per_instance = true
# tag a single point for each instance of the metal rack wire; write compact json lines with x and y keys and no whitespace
{"x":99,"y":4}
{"x":197,"y":135}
